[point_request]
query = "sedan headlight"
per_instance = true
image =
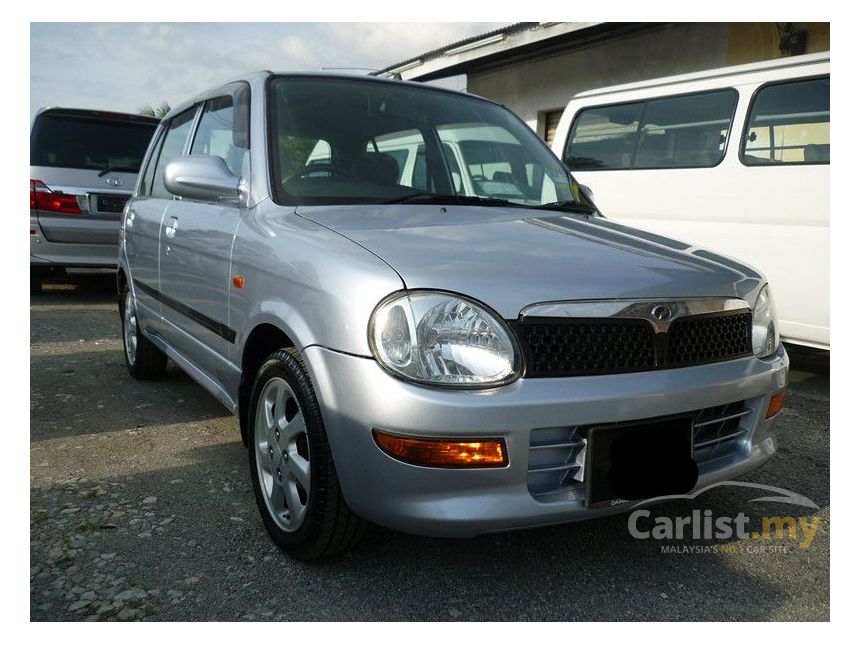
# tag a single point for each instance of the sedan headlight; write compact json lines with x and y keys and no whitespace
{"x":443,"y":339}
{"x":765,"y":333}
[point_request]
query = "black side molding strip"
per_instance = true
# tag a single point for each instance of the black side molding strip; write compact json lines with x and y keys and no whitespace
{"x":204,"y":321}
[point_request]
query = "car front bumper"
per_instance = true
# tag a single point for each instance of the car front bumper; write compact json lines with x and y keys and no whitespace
{"x":357,"y":396}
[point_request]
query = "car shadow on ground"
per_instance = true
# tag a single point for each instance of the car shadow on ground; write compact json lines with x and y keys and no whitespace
{"x":77,"y":288}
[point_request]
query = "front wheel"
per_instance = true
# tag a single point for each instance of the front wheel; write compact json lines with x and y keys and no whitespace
{"x":143,"y":359}
{"x":292,"y":470}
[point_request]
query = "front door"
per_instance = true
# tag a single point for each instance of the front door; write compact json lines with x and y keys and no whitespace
{"x":196,"y":242}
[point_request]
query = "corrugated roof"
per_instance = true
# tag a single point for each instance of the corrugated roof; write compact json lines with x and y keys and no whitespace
{"x":514,"y":28}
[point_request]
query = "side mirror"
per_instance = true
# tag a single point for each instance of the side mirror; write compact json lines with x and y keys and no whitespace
{"x":203,"y":177}
{"x":587,"y":191}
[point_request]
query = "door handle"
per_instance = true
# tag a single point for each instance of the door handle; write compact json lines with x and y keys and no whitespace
{"x":170,"y":229}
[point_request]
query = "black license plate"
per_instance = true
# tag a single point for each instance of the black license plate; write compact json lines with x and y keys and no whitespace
{"x":110,"y":203}
{"x":639,"y":460}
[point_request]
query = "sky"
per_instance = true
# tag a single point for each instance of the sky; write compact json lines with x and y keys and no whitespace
{"x":123,"y":66}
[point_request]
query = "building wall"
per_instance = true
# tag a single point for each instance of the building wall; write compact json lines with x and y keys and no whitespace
{"x":750,"y":42}
{"x":532,"y":87}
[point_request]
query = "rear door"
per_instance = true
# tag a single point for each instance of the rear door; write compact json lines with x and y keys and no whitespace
{"x":93,"y":156}
{"x":145,"y":214}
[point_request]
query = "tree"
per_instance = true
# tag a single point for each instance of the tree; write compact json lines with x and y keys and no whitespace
{"x":158,"y":111}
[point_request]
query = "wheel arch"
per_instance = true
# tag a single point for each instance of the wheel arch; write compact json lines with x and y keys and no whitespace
{"x":121,"y":283}
{"x":264,"y":338}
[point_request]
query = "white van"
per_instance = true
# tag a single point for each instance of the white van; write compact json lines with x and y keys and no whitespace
{"x":733,"y":159}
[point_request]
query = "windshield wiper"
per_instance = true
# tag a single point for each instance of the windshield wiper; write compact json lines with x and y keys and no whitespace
{"x":569,"y":205}
{"x":117,"y":169}
{"x":466,"y":200}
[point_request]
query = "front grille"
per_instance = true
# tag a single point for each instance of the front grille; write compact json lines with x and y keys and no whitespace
{"x":703,"y":339}
{"x":586,"y":346}
{"x":557,"y":456}
{"x":560,"y":347}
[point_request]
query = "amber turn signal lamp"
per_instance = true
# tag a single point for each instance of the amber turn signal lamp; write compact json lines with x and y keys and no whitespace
{"x":776,"y":403}
{"x":443,"y":453}
{"x":238,"y":281}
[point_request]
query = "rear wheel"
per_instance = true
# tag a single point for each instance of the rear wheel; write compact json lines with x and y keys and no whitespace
{"x":143,"y":359}
{"x":292,"y":470}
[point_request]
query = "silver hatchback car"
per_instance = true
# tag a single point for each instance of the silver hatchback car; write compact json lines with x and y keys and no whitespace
{"x":445,"y":340}
{"x":83,"y":167}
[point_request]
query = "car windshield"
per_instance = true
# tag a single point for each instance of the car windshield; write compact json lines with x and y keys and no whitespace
{"x":336,"y":141}
{"x":80,"y":141}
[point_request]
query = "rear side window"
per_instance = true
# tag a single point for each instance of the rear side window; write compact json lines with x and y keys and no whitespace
{"x":687,"y":131}
{"x":789,"y":123}
{"x":173,"y":146}
{"x":70,"y":140}
{"x":215,"y":134}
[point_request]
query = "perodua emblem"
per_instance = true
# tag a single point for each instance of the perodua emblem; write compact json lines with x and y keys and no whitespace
{"x":661,"y":313}
{"x":114,"y":181}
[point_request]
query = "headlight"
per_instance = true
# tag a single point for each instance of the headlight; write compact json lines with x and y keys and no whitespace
{"x":443,"y":339}
{"x":765,"y":333}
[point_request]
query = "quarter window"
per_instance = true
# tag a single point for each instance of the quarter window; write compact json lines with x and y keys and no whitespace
{"x":174,"y":145}
{"x":215,"y":134}
{"x":789,"y":123}
{"x":687,"y":131}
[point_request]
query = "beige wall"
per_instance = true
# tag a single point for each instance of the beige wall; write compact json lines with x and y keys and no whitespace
{"x":749,"y":42}
{"x":534,"y":86}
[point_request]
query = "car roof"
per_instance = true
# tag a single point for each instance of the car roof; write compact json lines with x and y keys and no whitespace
{"x":98,"y":114}
{"x":265,"y":74}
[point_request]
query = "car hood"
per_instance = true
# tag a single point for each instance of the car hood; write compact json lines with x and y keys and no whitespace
{"x":510,"y":258}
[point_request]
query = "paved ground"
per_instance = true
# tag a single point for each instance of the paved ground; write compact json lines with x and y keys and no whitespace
{"x":141,"y":508}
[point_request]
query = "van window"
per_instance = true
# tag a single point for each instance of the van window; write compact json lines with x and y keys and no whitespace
{"x":789,"y":123}
{"x":603,"y":138}
{"x":687,"y":131}
{"x":174,"y":145}
{"x":215,"y":134}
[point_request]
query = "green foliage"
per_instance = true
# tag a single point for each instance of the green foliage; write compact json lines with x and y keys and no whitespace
{"x":294,"y":152}
{"x":157,"y":111}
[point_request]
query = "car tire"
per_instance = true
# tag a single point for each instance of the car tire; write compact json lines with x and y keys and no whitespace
{"x":37,"y":276}
{"x":292,"y":470}
{"x":143,"y":359}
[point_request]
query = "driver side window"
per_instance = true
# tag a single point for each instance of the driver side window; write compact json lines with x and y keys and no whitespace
{"x":215,"y":134}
